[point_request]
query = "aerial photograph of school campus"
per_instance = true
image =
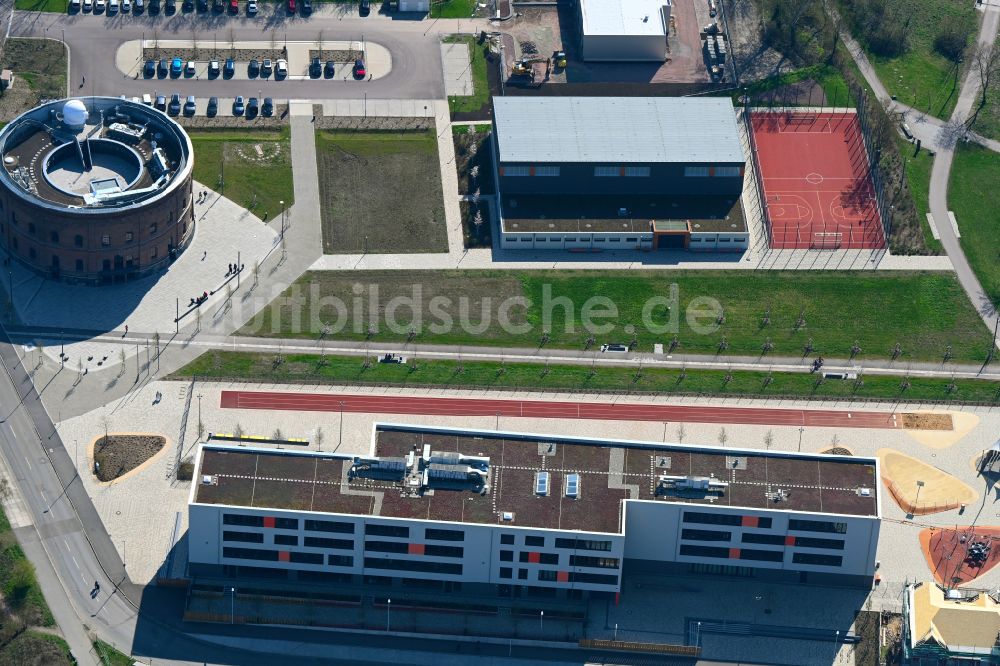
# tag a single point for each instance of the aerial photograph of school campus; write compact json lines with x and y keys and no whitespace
{"x":509,"y":332}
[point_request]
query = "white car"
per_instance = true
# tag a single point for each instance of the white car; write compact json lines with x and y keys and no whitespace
{"x":251,"y":7}
{"x":112,"y":7}
{"x":74,"y":5}
{"x":281,"y":68}
{"x":99,"y":6}
{"x":126,"y":6}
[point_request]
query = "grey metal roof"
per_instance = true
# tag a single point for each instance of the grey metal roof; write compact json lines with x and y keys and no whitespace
{"x":617,"y":129}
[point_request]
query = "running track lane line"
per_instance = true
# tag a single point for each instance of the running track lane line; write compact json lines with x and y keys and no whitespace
{"x":308,"y":402}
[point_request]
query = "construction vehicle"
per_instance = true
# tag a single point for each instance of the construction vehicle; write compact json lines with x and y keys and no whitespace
{"x":559,"y":59}
{"x":525,"y":66}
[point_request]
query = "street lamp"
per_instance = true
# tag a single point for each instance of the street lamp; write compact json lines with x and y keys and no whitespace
{"x":541,"y":621}
{"x":232,"y":606}
{"x":340,"y":436}
{"x":802,"y":429}
{"x":388,"y":607}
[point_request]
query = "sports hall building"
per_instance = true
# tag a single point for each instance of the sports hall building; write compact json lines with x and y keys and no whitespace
{"x":619,"y":173}
{"x":520,"y":514}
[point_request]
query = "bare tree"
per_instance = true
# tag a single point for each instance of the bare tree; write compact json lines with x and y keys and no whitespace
{"x":723,"y":437}
{"x":681,"y":431}
{"x":768,"y":439}
{"x":5,"y":490}
{"x":986,"y":66}
{"x":319,"y":439}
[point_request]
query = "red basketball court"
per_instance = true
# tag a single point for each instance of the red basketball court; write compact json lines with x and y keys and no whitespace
{"x":816,"y":181}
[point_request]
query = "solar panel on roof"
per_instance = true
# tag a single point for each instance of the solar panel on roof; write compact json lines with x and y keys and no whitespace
{"x":541,"y":483}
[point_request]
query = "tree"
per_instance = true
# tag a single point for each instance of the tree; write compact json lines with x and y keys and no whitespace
{"x":768,"y":439}
{"x":319,"y":439}
{"x":478,"y":220}
{"x":723,"y":437}
{"x":277,"y":434}
{"x":681,"y":431}
{"x":986,"y":66}
{"x":238,"y":431}
{"x":5,"y":489}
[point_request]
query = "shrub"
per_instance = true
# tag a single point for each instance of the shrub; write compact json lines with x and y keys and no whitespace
{"x":951,"y":42}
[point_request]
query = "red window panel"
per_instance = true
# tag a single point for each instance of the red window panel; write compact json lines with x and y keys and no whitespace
{"x":749,"y":521}
{"x":283,"y":555}
{"x":534,"y":558}
{"x":734,"y":553}
{"x":501,"y":171}
{"x":621,"y":171}
{"x":562,"y":576}
{"x":789,"y":540}
{"x":268,"y":521}
{"x":711,"y":171}
{"x":415,"y":549}
{"x":531,"y":171}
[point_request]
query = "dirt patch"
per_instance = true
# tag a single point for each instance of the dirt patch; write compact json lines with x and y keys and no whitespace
{"x":117,"y":455}
{"x":258,"y":122}
{"x":800,"y":93}
{"x":39,"y":67}
{"x":838,"y":451}
{"x":373,"y":123}
{"x":380,"y":192}
{"x":927,"y":421}
{"x":220,"y":54}
{"x":336,"y":55}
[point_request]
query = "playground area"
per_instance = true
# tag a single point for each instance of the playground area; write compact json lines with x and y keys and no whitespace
{"x":816,"y":180}
{"x":959,"y":556}
{"x":919,"y":488}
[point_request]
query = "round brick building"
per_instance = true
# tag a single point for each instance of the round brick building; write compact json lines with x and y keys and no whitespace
{"x":95,"y":190}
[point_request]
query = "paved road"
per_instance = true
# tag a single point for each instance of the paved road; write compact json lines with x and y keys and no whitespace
{"x":93,"y":41}
{"x":941,"y":169}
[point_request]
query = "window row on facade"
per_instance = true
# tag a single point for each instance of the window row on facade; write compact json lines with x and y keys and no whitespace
{"x":757,"y":555}
{"x":767,"y":539}
{"x":553,"y":576}
{"x":606,"y":171}
{"x":736,"y":520}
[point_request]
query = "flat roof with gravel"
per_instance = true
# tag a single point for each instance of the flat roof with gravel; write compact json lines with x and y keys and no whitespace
{"x":606,"y":472}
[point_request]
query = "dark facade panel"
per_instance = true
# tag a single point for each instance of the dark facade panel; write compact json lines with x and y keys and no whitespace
{"x":580,"y":179}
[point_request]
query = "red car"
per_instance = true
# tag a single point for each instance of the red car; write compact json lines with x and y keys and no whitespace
{"x":359,"y":67}
{"x":291,"y":6}
{"x":234,"y":6}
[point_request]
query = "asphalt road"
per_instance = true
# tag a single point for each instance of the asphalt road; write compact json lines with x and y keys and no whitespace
{"x":93,"y":40}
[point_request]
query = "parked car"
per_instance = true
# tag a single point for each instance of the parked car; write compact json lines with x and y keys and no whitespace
{"x":307,"y":7}
{"x":239,"y":106}
{"x":189,"y":106}
{"x":315,"y":68}
{"x":281,"y":69}
{"x":267,"y":108}
{"x":176,"y":66}
{"x":99,"y":6}
{"x":189,"y":68}
{"x":234,"y":7}
{"x":392,"y":358}
{"x":229,"y":69}
{"x":139,"y":6}
{"x":164,"y":68}
{"x":213,"y":107}
{"x":253,"y":68}
{"x":147,"y":99}
{"x":154,"y":7}
{"x":329,"y":70}
{"x":266,"y":67}
{"x":291,"y":6}
{"x":126,"y":6}
{"x":149,"y":69}
{"x":213,"y":69}
{"x":359,"y":69}
{"x":218,"y":6}
{"x":365,"y":8}
{"x":252,"y":107}
{"x":74,"y":6}
{"x":251,"y":7}
{"x":202,"y":6}
{"x":88,"y":5}
{"x":112,"y":7}
{"x":187,"y":6}
{"x":161,"y":103}
{"x":171,"y":7}
{"x":175,"y":105}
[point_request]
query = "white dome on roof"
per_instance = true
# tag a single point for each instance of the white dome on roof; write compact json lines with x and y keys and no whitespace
{"x":75,"y":113}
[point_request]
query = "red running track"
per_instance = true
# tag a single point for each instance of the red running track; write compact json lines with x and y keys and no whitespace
{"x":605,"y":411}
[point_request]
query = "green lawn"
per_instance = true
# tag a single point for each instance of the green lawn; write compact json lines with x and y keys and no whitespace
{"x":988,"y":121}
{"x":21,"y":594}
{"x":41,"y":63}
{"x":313,"y":368}
{"x":921,"y":77}
{"x":43,"y":5}
{"x":452,"y":8}
{"x":36,"y":648}
{"x":923,"y":312}
{"x":827,"y":77}
{"x":109,"y":656}
{"x":918,"y":175}
{"x":480,"y":84}
{"x":257,"y":180}
{"x":975,"y":174}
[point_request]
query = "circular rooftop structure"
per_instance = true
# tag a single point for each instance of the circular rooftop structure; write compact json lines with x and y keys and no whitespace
{"x":95,"y":189}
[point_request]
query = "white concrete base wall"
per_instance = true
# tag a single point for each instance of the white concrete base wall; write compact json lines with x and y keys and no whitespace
{"x":577,"y":242}
{"x":719,"y":242}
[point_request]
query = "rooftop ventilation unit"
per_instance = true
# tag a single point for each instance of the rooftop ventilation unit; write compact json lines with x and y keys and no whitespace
{"x":693,"y":483}
{"x":573,"y":485}
{"x":209,"y":480}
{"x":864,"y":492}
{"x":507,"y":516}
{"x":542,"y":483}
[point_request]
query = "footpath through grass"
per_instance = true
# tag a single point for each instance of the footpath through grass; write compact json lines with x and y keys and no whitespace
{"x":480,"y":83}
{"x":317,"y":369}
{"x":918,"y":176}
{"x":251,"y":167}
{"x":922,"y":312}
{"x":975,"y":174}
{"x":921,"y":77}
